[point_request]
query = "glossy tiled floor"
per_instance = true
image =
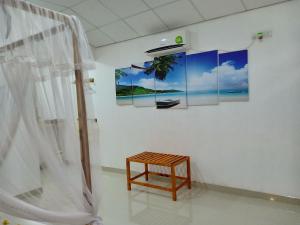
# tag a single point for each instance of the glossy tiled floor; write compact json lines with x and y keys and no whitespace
{"x":144,"y":206}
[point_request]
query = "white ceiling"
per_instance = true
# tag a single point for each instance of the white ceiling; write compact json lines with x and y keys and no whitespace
{"x":111,"y":21}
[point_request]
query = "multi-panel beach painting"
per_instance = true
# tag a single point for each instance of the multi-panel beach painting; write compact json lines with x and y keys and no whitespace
{"x":233,"y":76}
{"x":170,"y":81}
{"x":179,"y":80}
{"x":202,"y":78}
{"x":143,"y":85}
{"x":123,"y":86}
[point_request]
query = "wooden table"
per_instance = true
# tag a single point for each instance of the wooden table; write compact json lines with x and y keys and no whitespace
{"x":159,"y":159}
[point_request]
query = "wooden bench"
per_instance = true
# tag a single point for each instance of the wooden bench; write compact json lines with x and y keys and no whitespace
{"x":159,"y":159}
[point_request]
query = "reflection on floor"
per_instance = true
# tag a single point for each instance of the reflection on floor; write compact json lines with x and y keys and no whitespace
{"x":144,"y":206}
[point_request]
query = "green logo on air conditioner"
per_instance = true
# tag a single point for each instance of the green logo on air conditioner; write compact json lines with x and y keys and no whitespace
{"x":179,"y":39}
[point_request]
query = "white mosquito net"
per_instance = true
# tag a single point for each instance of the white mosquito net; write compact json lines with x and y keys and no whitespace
{"x":41,"y":175}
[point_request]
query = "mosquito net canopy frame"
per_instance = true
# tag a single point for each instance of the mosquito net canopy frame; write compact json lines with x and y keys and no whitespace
{"x":44,"y":131}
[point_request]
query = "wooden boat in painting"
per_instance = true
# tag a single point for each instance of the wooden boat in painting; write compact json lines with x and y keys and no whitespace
{"x":167,"y":104}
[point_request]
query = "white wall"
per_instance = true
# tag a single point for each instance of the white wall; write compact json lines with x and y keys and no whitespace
{"x":253,"y":145}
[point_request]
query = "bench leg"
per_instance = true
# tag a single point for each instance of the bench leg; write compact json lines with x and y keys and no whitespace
{"x":128,"y":175}
{"x":146,"y":172}
{"x":173,"y":179}
{"x":188,"y":168}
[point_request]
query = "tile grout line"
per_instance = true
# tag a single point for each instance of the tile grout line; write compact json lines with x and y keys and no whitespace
{"x":224,"y":189}
{"x":161,"y":20}
{"x":99,"y":27}
{"x":135,"y":14}
{"x":119,"y":19}
{"x":199,"y":22}
{"x":198,"y":10}
{"x":94,"y":27}
{"x":66,"y":7}
{"x":244,"y":5}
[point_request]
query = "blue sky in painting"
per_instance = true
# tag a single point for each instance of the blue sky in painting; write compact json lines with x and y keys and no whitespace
{"x":125,"y":80}
{"x":139,"y":78}
{"x":202,"y":71}
{"x":176,"y":78}
{"x":233,"y":71}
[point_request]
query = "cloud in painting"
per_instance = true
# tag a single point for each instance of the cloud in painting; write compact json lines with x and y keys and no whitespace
{"x":132,"y":71}
{"x":124,"y":79}
{"x":135,"y":71}
{"x":162,"y":85}
{"x":205,"y":81}
{"x":159,"y":85}
{"x":146,"y":83}
{"x":232,"y":78}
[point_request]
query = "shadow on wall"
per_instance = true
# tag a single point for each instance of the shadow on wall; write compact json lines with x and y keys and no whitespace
{"x":196,"y":173}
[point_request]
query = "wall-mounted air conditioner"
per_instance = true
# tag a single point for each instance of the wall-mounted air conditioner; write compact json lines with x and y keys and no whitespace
{"x":169,"y":43}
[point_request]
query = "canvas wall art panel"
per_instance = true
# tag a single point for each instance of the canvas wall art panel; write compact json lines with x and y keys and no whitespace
{"x":143,"y":86}
{"x":170,"y":81}
{"x":202,"y":78}
{"x":123,"y":86}
{"x":233,"y":76}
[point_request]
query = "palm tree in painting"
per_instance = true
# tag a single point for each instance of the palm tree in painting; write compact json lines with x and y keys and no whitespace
{"x":161,"y":66}
{"x":118,"y":74}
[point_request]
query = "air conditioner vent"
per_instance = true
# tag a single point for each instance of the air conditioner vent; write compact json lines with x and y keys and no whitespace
{"x":164,"y":48}
{"x":169,"y":43}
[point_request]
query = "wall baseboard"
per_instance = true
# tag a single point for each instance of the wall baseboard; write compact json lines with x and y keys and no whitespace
{"x":231,"y":190}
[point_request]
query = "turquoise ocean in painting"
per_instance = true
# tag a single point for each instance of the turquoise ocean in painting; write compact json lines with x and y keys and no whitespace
{"x":202,"y":78}
{"x":233,"y":76}
{"x":174,"y":84}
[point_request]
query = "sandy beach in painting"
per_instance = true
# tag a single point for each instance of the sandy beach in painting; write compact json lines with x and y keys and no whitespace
{"x":150,"y":100}
{"x":181,"y":96}
{"x":124,"y":100}
{"x":144,"y":100}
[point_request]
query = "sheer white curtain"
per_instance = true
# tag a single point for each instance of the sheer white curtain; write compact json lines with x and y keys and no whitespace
{"x":38,"y":117}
